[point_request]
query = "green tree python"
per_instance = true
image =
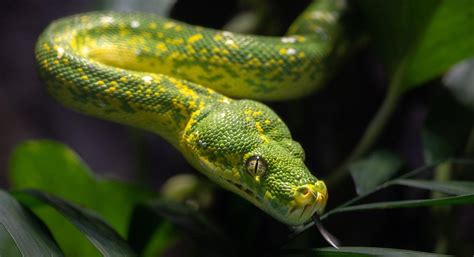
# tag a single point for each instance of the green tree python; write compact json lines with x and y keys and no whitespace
{"x":177,"y":80}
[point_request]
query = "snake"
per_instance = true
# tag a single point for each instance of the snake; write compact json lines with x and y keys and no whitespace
{"x":202,"y":89}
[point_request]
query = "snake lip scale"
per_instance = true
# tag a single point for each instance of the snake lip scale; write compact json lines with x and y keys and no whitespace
{"x":199,"y":89}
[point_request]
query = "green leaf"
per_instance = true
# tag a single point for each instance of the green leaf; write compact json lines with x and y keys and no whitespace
{"x":372,"y":171}
{"x":54,"y":168}
{"x":362,"y":251}
{"x":426,"y":37}
{"x":446,"y":128}
{"x":161,"y":240}
{"x":448,"y":187}
{"x":7,"y":245}
{"x":150,"y":230}
{"x":29,"y":234}
{"x":454,"y":200}
{"x":188,"y":219}
{"x":445,"y":41}
{"x":148,"y":235}
{"x":101,"y":235}
{"x":209,"y":237}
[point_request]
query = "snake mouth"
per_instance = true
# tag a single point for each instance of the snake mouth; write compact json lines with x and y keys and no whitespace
{"x":296,"y":212}
{"x":307,"y":202}
{"x":302,"y":214}
{"x":247,"y":192}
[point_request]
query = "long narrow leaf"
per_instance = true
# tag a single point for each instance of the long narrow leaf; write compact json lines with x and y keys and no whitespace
{"x":448,"y":187}
{"x":455,"y":200}
{"x":7,"y":244}
{"x":26,"y":230}
{"x":361,"y":251}
{"x":107,"y":241}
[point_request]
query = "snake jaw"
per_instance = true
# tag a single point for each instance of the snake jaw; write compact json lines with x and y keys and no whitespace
{"x":308,"y":200}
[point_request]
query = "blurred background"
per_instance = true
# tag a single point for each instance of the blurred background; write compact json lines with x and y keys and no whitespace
{"x":328,"y":124}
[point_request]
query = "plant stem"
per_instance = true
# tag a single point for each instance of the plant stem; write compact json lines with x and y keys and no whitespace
{"x":374,"y":129}
{"x":441,"y":213}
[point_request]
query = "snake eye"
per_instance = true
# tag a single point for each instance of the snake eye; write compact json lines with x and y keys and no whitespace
{"x":256,"y":166}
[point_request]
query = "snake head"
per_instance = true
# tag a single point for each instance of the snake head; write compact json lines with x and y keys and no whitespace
{"x":246,"y":148}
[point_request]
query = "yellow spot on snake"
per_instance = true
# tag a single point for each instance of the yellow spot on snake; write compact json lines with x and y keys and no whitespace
{"x":287,"y":51}
{"x":194,"y":38}
{"x":300,"y":38}
{"x":225,"y":51}
{"x":255,"y":62}
{"x":175,"y":41}
{"x":161,"y":47}
{"x":261,"y":132}
{"x":100,"y":83}
{"x":123,"y":79}
{"x":169,"y":25}
{"x":84,"y":77}
{"x":218,"y":37}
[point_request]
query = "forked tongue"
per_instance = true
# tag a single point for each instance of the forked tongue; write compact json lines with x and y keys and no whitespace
{"x":329,"y":238}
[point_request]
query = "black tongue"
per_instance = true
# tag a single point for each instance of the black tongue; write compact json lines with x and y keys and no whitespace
{"x":329,"y":238}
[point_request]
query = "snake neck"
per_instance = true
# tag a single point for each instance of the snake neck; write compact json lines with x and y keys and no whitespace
{"x":321,"y":18}
{"x":90,"y":81}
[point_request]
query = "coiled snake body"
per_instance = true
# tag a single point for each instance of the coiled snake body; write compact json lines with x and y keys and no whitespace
{"x":176,"y":80}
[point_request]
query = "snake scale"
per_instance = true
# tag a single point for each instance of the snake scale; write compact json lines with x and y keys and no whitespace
{"x":191,"y":86}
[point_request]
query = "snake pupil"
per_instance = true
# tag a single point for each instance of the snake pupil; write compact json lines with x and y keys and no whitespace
{"x":256,"y":165}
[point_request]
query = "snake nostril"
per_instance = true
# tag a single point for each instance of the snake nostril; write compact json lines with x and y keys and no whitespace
{"x":304,"y":191}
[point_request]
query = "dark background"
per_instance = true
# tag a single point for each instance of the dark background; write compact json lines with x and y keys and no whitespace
{"x":327,"y":124}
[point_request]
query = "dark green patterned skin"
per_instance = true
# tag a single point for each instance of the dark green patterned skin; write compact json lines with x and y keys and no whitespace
{"x":175,"y":80}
